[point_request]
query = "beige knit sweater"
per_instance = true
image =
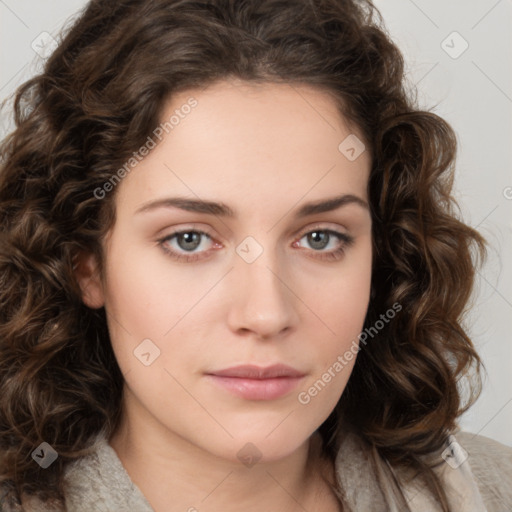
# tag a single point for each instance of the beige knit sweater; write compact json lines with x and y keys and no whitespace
{"x":477,"y":474}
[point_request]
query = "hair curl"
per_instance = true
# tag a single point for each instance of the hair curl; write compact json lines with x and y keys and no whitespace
{"x":101,"y":93}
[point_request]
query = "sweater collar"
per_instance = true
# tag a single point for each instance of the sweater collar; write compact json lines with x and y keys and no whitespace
{"x":99,"y":482}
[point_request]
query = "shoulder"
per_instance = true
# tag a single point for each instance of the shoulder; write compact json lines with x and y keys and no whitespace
{"x":486,"y":450}
{"x":491,"y":466}
{"x":475,"y":471}
{"x":98,"y":481}
{"x":95,"y":481}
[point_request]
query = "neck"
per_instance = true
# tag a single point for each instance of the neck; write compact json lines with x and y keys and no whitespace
{"x":175,"y":475}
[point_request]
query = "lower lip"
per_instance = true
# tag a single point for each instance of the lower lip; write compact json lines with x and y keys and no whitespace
{"x":257,"y":389}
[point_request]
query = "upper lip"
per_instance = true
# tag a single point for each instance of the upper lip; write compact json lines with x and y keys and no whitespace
{"x":257,"y":372}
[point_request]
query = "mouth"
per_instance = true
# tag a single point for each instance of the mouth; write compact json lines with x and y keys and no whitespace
{"x":256,"y":383}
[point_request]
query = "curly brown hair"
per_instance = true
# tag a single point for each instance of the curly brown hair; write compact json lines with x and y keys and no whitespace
{"x":99,"y":97}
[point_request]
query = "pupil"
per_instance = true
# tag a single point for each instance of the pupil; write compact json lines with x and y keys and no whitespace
{"x":318,"y":239}
{"x":191,"y":240}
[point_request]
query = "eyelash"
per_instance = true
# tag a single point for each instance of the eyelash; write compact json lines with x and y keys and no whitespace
{"x":345,"y":240}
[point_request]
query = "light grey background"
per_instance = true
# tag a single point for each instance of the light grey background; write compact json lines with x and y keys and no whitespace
{"x":471,"y":89}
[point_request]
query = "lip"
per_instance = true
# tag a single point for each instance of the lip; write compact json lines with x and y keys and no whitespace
{"x":257,"y":383}
{"x":250,"y":371}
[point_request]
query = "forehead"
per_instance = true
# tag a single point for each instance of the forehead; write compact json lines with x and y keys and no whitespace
{"x":255,"y":142}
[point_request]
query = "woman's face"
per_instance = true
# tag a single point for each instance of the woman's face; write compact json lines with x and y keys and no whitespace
{"x":273,"y":281}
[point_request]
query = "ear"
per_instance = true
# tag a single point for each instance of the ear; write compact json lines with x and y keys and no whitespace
{"x":88,"y":276}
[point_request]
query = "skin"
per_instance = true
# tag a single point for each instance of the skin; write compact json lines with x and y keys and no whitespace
{"x":263,"y":150}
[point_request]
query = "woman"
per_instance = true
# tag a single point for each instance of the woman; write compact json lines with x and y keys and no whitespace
{"x":232,"y":276}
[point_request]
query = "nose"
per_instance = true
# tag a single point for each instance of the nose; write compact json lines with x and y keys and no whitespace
{"x":262,"y":301}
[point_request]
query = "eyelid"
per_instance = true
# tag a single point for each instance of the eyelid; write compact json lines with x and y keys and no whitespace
{"x":320,"y":226}
{"x":179,"y":231}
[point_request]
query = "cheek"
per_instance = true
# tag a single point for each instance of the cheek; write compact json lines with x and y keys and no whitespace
{"x":342,"y":297}
{"x":341,"y":303}
{"x":149,"y":298}
{"x":140,"y":306}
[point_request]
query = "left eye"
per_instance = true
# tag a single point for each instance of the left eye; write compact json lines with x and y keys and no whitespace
{"x":321,"y":238}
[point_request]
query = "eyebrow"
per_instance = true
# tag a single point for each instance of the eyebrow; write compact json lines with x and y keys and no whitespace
{"x":223,"y":210}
